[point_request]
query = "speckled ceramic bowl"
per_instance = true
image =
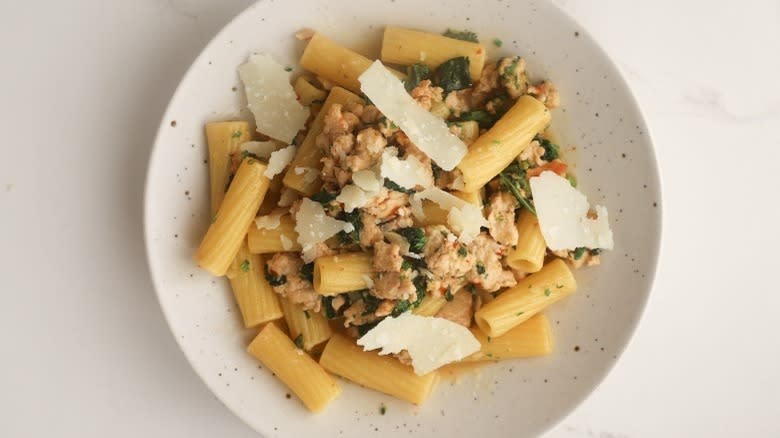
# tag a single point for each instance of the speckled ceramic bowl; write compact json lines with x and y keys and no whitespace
{"x":601,"y":129}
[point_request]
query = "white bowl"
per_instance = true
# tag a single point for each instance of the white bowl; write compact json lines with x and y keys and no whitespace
{"x":614,"y":161}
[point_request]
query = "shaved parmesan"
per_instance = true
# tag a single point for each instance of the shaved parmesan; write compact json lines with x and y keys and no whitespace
{"x":287,"y":197}
{"x":428,"y":132}
{"x":314,"y":226}
{"x":563,"y":215}
{"x":279,"y":160}
{"x":287,"y":244}
{"x":367,"y":180}
{"x":309,"y":174}
{"x":408,"y":173}
{"x":271,"y":98}
{"x":464,"y":218}
{"x":431,"y":342}
{"x":263,"y":149}
{"x":353,"y":197}
{"x":270,"y":221}
{"x":369,"y":281}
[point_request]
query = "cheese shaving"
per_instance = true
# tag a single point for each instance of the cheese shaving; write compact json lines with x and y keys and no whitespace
{"x":270,"y":221}
{"x":428,"y":132}
{"x":314,"y":226}
{"x":409,"y":173}
{"x":563,"y":215}
{"x":279,"y":160}
{"x":464,"y":218}
{"x":263,"y":149}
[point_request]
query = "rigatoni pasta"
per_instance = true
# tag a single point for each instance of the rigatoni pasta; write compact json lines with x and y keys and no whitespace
{"x":381,"y":373}
{"x":229,"y":227}
{"x":402,"y":218}
{"x":295,"y":368}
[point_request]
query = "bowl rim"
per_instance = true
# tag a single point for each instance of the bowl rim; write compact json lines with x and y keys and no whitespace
{"x":631,"y":329}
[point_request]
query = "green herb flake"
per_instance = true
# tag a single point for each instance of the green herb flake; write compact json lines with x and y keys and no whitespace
{"x":324,"y":197}
{"x":406,"y":265}
{"x":299,"y":341}
{"x":236,"y":134}
{"x":551,"y":150}
{"x":415,"y":74}
{"x":519,"y":313}
{"x":496,"y":142}
{"x":489,"y":354}
{"x":462,"y":251}
{"x":382,"y":409}
{"x":572,"y":180}
{"x":245,"y":266}
{"x":353,"y":237}
{"x":401,"y":306}
{"x":578,"y":253}
{"x":394,"y":186}
{"x":471,"y":289}
{"x":480,"y":268}
{"x":463,"y":35}
{"x":288,"y":69}
{"x":448,"y":295}
{"x":547,"y":292}
{"x":513,"y":179}
{"x":497,"y":42}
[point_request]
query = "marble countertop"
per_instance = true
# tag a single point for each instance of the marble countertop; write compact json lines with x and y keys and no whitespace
{"x":85,"y":349}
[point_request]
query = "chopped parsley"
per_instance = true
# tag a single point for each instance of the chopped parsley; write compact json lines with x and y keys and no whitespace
{"x":595,"y":251}
{"x":484,"y":118}
{"x":406,"y":265}
{"x":453,"y":74}
{"x":245,"y":266}
{"x":496,"y":142}
{"x":471,"y":288}
{"x":416,"y":73}
{"x":578,"y":253}
{"x":572,"y":180}
{"x":480,"y":268}
{"x":382,"y":409}
{"x":415,"y":237}
{"x":274,"y":280}
{"x":462,"y":251}
{"x":327,"y":305}
{"x":307,"y":272}
{"x":288,"y":69}
{"x":463,"y":35}
{"x":513,"y":179}
{"x":236,"y":134}
{"x":299,"y":341}
{"x":448,"y":295}
{"x":401,"y":306}
{"x":497,"y":42}
{"x":519,"y":313}
{"x":394,"y":186}
{"x":371,"y":302}
{"x":547,"y":292}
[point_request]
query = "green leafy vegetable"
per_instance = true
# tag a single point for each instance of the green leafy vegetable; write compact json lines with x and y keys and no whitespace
{"x":480,"y":268}
{"x":448,"y":295}
{"x":547,"y":292}
{"x":390,"y":185}
{"x":299,"y":341}
{"x":551,"y":150}
{"x":513,"y":179}
{"x":330,"y":312}
{"x":453,"y":74}
{"x":352,"y":237}
{"x":462,"y":251}
{"x":363,"y":329}
{"x":572,"y":180}
{"x":401,"y":306}
{"x":595,"y":251}
{"x":371,"y":301}
{"x":484,"y":118}
{"x":498,"y":42}
{"x":245,"y":266}
{"x":382,"y":409}
{"x":324,"y":197}
{"x":579,"y":252}
{"x":236,"y":134}
{"x":415,"y":74}
{"x":471,"y":288}
{"x":463,"y":35}
{"x":274,"y":280}
{"x":307,"y":272}
{"x":415,"y":237}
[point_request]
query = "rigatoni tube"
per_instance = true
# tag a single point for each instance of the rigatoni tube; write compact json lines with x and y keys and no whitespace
{"x":528,"y":254}
{"x":229,"y":227}
{"x":280,"y":239}
{"x":311,"y":326}
{"x":223,"y":139}
{"x":502,"y":143}
{"x":381,"y":373}
{"x":255,"y":297}
{"x":406,"y":47}
{"x":531,"y":338}
{"x":302,"y":374}
{"x":529,"y":297}
{"x":342,"y":273}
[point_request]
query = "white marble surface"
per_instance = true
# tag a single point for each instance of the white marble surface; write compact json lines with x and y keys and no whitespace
{"x":84,"y":348}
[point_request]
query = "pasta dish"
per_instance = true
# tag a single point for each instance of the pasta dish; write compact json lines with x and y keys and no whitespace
{"x":380,"y":219}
